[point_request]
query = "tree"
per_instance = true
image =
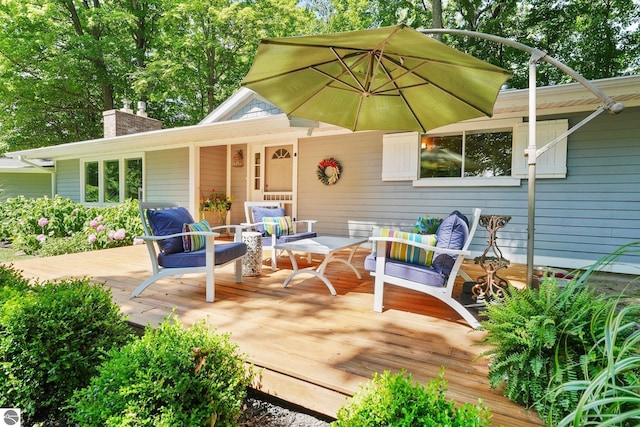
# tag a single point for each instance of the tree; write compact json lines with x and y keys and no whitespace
{"x":64,"y":62}
{"x":597,"y":39}
{"x":204,"y":49}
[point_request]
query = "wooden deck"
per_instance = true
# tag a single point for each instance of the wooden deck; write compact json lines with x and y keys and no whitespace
{"x":313,"y":349}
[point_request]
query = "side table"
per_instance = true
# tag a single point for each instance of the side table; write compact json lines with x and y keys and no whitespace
{"x":491,"y":285}
{"x":252,"y":261}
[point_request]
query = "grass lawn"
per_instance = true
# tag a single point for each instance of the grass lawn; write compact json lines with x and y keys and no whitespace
{"x":8,"y":255}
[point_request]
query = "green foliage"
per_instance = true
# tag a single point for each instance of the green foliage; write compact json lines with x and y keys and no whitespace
{"x":610,"y":388}
{"x":52,"y":340}
{"x":539,"y":337}
{"x":172,"y":376}
{"x":396,"y":401}
{"x":64,"y":245}
{"x":55,"y":226}
{"x":63,"y":63}
{"x":12,"y":283}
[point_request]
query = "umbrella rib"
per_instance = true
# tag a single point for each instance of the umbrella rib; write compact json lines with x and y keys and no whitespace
{"x":347,"y":69}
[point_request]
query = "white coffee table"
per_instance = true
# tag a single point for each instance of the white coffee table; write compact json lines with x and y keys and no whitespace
{"x":323,"y":245}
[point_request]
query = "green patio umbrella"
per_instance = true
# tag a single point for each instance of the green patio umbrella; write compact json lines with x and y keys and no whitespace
{"x":391,"y":78}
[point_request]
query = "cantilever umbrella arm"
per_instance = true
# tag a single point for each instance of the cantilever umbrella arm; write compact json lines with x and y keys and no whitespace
{"x":532,"y":152}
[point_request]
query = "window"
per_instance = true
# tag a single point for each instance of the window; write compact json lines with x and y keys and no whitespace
{"x":488,"y":152}
{"x":91,"y":186}
{"x":281,"y":153}
{"x":112,"y":180}
{"x":133,"y":179}
{"x":472,"y":154}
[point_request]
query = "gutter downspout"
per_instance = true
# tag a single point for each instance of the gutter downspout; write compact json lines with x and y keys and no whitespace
{"x":52,"y":172}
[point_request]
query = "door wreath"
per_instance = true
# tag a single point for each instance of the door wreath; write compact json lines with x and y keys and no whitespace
{"x":329,"y":171}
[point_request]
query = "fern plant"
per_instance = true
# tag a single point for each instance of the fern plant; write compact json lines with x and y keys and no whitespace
{"x":545,"y":339}
{"x":538,"y":338}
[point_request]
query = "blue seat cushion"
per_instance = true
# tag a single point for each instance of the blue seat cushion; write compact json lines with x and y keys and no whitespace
{"x":415,"y":273}
{"x":291,"y":238}
{"x":451,"y":234}
{"x":297,"y":236}
{"x":225,"y":252}
{"x":169,"y":221}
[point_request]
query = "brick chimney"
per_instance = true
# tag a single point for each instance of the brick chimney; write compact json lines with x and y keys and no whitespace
{"x":124,"y":122}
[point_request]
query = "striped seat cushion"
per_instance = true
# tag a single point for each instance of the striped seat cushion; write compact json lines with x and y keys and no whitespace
{"x":405,"y":252}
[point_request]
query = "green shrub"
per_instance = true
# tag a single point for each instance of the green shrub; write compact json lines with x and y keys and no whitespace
{"x":545,"y":338}
{"x":396,"y":401}
{"x":12,"y":283}
{"x":611,"y":385}
{"x":64,"y":245}
{"x":172,"y":376}
{"x":52,"y":340}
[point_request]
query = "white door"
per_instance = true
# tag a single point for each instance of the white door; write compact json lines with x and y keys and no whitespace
{"x":273,"y":173}
{"x":278,"y":169}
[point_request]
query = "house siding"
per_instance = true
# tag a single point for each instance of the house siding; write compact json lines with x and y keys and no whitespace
{"x":238,"y":185}
{"x":68,"y":179}
{"x":29,"y":185}
{"x":213,"y":170}
{"x":579,"y":219}
{"x":167,"y":176}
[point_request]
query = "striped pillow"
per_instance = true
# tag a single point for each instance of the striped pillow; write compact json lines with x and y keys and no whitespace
{"x":407,"y":253}
{"x":193,"y":243}
{"x":278,"y":225}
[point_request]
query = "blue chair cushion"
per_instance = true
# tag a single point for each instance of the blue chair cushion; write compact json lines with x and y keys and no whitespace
{"x":451,"y":234}
{"x":259,"y":213}
{"x":225,"y":252}
{"x":290,"y":238}
{"x":415,"y":273}
{"x":169,"y":221}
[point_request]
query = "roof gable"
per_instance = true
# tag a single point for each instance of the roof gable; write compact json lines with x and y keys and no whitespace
{"x":243,"y":104}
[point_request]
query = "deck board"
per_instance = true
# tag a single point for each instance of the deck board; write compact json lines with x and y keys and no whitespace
{"x":312,"y":349}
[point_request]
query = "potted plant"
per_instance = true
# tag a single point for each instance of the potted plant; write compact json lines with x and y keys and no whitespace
{"x":218,"y":203}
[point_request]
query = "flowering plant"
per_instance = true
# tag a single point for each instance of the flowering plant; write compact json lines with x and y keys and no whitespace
{"x":217,"y":201}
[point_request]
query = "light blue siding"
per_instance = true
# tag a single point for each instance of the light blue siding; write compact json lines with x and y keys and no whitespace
{"x":167,"y":176}
{"x":585,"y":216}
{"x":68,"y":179}
{"x":30,"y":185}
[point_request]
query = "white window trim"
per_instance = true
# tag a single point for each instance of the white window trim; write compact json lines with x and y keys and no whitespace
{"x":494,"y":181}
{"x":121,"y":176}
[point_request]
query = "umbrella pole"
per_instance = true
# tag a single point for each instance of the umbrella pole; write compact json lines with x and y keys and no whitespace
{"x":531,"y":155}
{"x":532,"y":152}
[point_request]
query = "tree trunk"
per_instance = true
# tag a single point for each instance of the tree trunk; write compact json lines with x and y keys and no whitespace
{"x":436,"y":10}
